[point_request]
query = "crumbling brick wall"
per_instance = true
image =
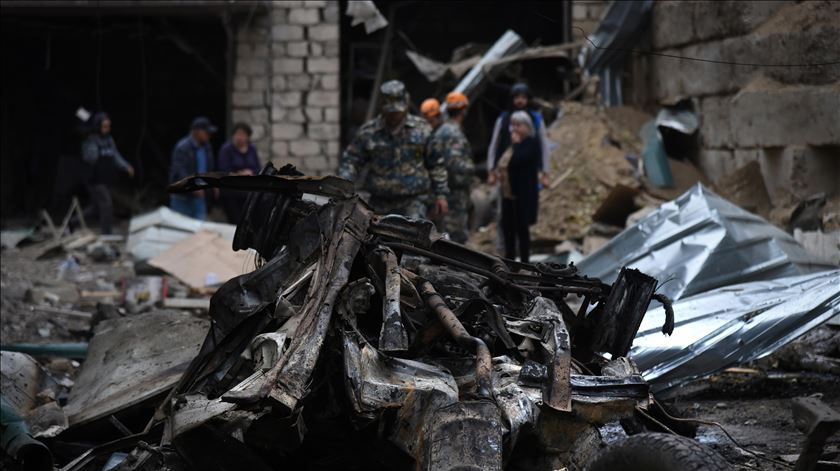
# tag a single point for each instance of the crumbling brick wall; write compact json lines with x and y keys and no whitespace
{"x":783,"y":117}
{"x":286,"y":83}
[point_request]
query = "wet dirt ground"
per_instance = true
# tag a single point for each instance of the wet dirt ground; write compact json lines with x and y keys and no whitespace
{"x":755,"y":409}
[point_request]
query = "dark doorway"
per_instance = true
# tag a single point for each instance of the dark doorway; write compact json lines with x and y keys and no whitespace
{"x":151,"y":73}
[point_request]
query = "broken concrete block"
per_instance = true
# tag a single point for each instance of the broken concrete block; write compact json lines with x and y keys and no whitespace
{"x":769,"y":114}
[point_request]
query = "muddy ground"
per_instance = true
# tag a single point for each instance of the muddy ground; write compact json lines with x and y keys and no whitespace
{"x":756,"y":410}
{"x":752,"y":404}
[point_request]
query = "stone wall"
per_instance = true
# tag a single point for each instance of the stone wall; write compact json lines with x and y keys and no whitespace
{"x":786,"y":118}
{"x":286,"y":83}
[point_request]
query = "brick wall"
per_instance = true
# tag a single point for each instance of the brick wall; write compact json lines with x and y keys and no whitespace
{"x":286,"y":83}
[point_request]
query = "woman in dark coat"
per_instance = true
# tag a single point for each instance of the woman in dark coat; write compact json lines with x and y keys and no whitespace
{"x":237,"y":157}
{"x":518,"y":171}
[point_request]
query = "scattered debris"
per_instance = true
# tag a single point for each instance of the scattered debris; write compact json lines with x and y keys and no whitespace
{"x":126,"y":364}
{"x":817,"y":421}
{"x":204,"y":259}
{"x":745,"y":187}
{"x":153,"y":233}
{"x":10,"y":239}
{"x":415,"y":323}
{"x":824,"y":246}
{"x":29,"y":410}
{"x":365,"y":12}
{"x":485,"y":69}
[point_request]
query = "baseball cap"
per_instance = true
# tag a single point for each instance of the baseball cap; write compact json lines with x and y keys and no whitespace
{"x":202,"y":122}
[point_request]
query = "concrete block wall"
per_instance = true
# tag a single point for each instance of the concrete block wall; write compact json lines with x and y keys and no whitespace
{"x":586,"y":14}
{"x":286,"y":83}
{"x":786,"y":118}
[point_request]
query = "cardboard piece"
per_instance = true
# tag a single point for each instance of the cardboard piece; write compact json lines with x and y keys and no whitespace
{"x":203,"y":259}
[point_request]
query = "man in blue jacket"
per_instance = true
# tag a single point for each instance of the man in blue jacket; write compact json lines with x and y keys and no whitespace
{"x":192,"y":155}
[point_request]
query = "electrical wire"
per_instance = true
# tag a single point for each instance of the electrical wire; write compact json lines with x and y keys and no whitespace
{"x":718,"y":425}
{"x":695,"y":59}
{"x":711,"y":61}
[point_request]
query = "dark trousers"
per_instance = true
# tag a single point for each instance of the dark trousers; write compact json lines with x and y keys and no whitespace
{"x":514,"y":231}
{"x":100,"y":204}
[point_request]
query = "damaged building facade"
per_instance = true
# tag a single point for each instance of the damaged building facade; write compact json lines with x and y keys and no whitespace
{"x":294,"y":70}
{"x":782,"y":115}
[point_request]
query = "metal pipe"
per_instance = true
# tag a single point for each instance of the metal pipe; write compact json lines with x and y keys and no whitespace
{"x":17,"y":441}
{"x":483,"y":363}
{"x":392,"y":336}
{"x":74,"y":350}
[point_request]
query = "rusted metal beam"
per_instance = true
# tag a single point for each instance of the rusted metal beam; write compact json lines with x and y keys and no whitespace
{"x":559,"y":389}
{"x":392,"y":336}
{"x":456,"y":330}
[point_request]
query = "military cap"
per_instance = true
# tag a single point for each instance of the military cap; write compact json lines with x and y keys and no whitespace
{"x":394,"y":96}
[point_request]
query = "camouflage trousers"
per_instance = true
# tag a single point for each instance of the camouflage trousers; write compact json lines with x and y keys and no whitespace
{"x":456,"y":221}
{"x":413,"y":207}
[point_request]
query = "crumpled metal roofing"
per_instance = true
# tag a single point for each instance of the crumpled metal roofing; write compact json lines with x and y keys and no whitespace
{"x":699,"y":242}
{"x":733,"y":325}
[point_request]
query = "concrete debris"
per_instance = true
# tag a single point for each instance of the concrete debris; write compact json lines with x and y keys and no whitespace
{"x":125,"y":365}
{"x":825,"y":246}
{"x":375,"y":334}
{"x":365,"y":12}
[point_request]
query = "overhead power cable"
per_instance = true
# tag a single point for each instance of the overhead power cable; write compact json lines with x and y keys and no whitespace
{"x":695,"y":59}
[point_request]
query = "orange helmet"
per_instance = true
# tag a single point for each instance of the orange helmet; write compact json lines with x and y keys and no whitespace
{"x":456,"y":101}
{"x":430,"y":107}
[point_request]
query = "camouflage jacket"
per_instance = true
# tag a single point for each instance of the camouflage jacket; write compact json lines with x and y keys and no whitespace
{"x":398,"y":164}
{"x":449,"y":144}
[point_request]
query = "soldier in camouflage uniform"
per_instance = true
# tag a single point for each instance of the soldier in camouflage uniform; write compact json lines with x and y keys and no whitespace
{"x":403,"y":178}
{"x":449,"y":144}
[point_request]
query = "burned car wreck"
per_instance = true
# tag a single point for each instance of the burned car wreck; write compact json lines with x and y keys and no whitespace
{"x":364,"y":341}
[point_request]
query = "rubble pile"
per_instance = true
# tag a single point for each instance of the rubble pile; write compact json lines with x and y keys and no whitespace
{"x":587,"y":163}
{"x":398,"y":347}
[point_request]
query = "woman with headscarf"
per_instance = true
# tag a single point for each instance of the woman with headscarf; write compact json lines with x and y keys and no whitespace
{"x":100,"y":153}
{"x":517,"y":169}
